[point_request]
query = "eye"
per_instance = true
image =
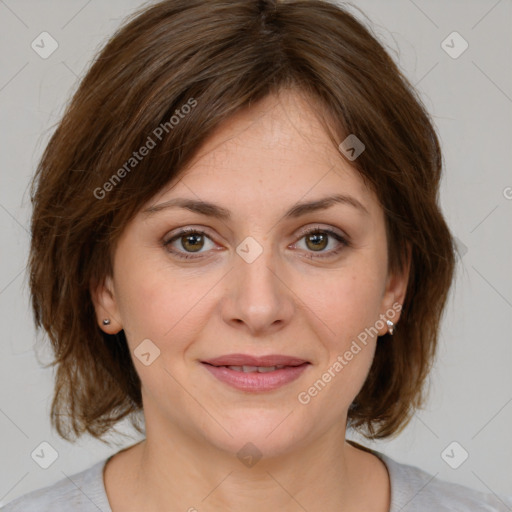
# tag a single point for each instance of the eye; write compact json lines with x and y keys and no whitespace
{"x":317,"y":239}
{"x":190,"y":240}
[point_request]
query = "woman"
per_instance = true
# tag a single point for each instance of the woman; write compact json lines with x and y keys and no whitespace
{"x":236,"y":239}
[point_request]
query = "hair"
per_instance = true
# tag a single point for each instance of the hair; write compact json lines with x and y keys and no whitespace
{"x":219,"y":57}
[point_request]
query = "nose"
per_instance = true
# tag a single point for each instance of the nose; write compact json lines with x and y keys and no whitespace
{"x":257,"y":297}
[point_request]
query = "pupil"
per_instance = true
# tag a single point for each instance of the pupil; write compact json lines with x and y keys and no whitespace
{"x":195,"y":242}
{"x":316,"y":239}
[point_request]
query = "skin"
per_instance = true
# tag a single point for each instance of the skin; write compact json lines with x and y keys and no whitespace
{"x":289,"y":301}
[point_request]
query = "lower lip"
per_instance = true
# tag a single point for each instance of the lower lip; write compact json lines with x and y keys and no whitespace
{"x":255,"y":381}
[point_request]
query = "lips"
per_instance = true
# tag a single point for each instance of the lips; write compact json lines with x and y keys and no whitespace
{"x":255,"y":361}
{"x":256,"y":374}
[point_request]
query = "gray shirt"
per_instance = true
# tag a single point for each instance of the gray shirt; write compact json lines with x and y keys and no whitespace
{"x":412,"y":490}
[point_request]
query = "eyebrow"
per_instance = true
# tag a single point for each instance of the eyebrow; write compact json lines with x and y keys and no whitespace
{"x":216,"y":211}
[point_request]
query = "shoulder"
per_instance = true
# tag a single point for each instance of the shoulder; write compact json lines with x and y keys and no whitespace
{"x":81,"y":492}
{"x":415,"y":490}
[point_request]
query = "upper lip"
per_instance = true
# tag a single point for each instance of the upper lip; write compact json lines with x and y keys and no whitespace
{"x":248,"y":360}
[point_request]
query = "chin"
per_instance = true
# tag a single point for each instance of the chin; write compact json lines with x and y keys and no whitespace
{"x":260,"y":432}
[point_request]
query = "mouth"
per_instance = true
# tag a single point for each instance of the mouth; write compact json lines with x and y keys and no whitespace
{"x":256,"y":374}
{"x":252,"y":369}
{"x":255,"y":361}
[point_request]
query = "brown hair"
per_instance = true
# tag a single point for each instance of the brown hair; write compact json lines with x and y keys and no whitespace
{"x":219,"y":57}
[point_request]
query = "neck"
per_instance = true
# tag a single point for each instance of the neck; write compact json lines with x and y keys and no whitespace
{"x":182,"y":473}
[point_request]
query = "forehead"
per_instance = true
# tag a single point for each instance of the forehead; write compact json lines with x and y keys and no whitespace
{"x":282,"y":127}
{"x":276,"y":150}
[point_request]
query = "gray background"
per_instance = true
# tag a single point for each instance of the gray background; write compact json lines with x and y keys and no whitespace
{"x":470,"y":98}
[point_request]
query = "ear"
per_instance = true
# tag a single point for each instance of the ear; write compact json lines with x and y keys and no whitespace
{"x":394,"y":294}
{"x":105,"y":305}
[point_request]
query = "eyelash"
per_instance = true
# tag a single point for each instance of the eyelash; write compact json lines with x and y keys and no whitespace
{"x":315,"y":230}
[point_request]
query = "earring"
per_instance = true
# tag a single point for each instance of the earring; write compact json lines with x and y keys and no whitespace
{"x":391,"y":327}
{"x":106,"y":321}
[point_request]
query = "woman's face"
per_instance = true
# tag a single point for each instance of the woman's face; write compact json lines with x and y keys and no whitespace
{"x":247,"y":279}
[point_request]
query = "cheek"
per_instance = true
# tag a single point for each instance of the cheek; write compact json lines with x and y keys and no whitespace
{"x":349,"y":302}
{"x":349,"y":309}
{"x":156,"y":303}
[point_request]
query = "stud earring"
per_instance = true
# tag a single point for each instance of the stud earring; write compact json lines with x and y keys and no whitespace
{"x":391,"y":327}
{"x":106,"y":321}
